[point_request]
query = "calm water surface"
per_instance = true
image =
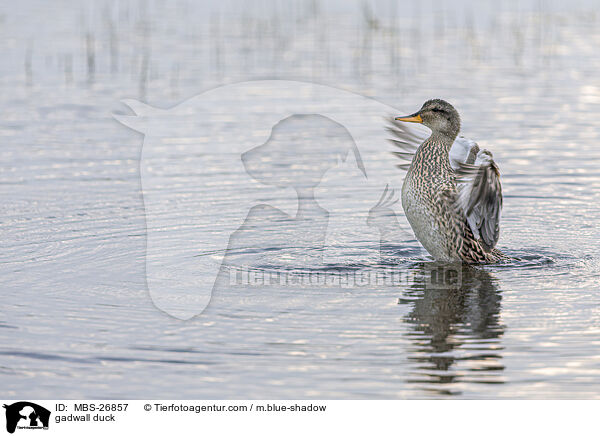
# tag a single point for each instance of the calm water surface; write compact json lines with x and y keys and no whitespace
{"x":76,"y":319}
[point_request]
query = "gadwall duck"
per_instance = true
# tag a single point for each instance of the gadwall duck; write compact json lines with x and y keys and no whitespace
{"x":452,"y":196}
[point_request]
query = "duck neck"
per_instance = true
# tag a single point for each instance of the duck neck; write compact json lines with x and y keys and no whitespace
{"x":443,"y":139}
{"x":435,"y":151}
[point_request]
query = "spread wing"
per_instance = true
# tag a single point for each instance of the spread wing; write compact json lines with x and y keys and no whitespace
{"x":406,"y":139}
{"x":480,"y":197}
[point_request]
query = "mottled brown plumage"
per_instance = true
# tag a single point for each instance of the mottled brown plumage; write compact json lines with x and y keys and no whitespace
{"x":453,"y":207}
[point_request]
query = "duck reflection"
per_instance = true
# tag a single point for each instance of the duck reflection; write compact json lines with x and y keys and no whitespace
{"x":455,"y":330}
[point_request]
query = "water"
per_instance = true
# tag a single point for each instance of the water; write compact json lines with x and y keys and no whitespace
{"x":77,"y":320}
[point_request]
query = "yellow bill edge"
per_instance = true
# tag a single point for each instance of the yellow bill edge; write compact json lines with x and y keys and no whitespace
{"x":416,"y":118}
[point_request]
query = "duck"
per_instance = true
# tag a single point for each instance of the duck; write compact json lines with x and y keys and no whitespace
{"x":452,"y":193}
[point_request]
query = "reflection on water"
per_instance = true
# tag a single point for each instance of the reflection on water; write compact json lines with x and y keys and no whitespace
{"x":455,"y":332}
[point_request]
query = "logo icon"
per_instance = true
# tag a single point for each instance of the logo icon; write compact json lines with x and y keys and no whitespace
{"x":26,"y":415}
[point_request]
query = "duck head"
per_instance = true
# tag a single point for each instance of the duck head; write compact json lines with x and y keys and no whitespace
{"x":439,"y":115}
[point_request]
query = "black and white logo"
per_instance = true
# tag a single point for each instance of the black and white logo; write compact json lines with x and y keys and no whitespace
{"x":26,"y":415}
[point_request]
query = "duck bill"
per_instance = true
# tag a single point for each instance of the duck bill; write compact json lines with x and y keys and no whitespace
{"x":414,"y":118}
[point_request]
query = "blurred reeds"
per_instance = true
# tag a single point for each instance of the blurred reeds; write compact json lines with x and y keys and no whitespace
{"x":174,"y":44}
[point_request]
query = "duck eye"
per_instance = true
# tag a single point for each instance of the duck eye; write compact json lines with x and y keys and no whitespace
{"x":436,"y":110}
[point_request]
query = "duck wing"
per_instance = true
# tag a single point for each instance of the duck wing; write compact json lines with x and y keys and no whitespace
{"x":406,"y":139}
{"x":479,"y":197}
